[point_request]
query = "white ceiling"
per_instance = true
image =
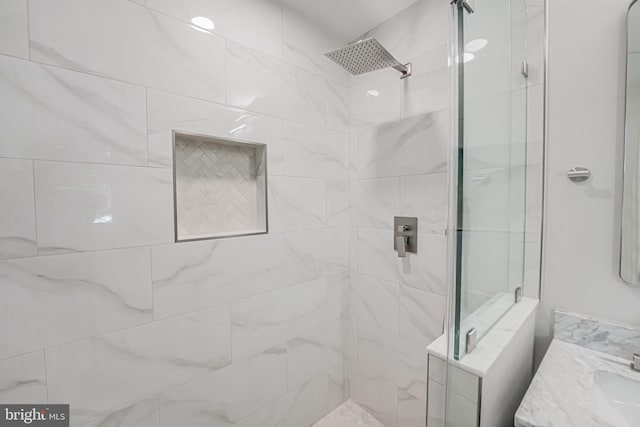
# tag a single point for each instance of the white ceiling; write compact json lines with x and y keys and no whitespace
{"x":349,"y":19}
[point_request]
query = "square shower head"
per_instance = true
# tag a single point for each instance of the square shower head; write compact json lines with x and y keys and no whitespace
{"x":366,"y":55}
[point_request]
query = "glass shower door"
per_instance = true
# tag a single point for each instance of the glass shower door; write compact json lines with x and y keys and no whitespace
{"x":492,"y":74}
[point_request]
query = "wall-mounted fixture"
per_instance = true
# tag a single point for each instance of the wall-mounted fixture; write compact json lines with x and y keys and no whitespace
{"x":405,"y":235}
{"x":365,"y":56}
{"x":220,"y":187}
{"x":579,"y":174}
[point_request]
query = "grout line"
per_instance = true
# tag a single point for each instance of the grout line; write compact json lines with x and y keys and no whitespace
{"x":28,"y":30}
{"x":146,"y":120}
{"x":35,"y":208}
{"x":46,"y":374}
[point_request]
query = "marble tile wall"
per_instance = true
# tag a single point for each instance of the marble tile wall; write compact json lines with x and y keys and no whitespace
{"x":399,"y":147}
{"x":99,"y":307}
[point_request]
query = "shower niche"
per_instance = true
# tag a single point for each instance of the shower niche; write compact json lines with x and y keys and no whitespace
{"x":220,"y":187}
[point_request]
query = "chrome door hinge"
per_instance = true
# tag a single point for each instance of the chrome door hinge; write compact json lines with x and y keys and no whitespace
{"x":517,"y":295}
{"x":469,"y":5}
{"x":471,"y":339}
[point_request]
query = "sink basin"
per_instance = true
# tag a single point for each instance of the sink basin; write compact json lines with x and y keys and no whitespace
{"x":620,"y":395}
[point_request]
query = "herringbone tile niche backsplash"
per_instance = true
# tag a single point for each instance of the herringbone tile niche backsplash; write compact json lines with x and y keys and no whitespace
{"x":220,"y":187}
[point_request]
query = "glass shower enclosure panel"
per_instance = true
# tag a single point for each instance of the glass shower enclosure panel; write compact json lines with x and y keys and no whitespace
{"x":492,"y":130}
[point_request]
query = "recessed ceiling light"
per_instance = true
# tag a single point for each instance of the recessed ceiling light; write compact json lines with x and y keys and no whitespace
{"x":202,"y":23}
{"x":476,"y":45}
{"x":373,"y":92}
{"x":467,"y":57}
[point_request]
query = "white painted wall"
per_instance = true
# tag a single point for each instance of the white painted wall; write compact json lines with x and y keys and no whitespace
{"x":585,"y":128}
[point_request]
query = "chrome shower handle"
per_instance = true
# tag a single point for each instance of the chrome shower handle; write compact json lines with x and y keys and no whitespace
{"x":405,"y":235}
{"x":401,"y":240}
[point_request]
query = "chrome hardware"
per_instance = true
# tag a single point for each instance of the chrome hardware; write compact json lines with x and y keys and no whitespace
{"x":518,"y":294}
{"x":525,"y":68}
{"x":471,"y":339}
{"x":579,"y":174}
{"x":405,"y":235}
{"x":635,"y":361}
{"x":405,"y":69}
{"x":469,"y":5}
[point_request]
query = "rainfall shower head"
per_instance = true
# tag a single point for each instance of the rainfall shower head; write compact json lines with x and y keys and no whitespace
{"x":367,"y":55}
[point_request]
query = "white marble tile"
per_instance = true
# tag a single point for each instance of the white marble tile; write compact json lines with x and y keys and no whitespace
{"x":436,"y":406}
{"x":193,"y":275}
{"x":23,"y":379}
{"x":419,"y":28}
{"x":347,"y":415}
{"x":374,"y":301}
{"x":80,"y":117}
{"x":296,"y":203}
{"x":14,"y":28}
{"x":338,"y":288}
{"x":487,"y":126}
{"x":263,"y":321}
{"x":394,"y":358}
{"x":596,"y":334}
{"x":57,"y":299}
{"x":168,"y":112}
{"x":305,"y":96}
{"x":569,"y":371}
{"x":314,"y":352}
{"x":337,"y":203}
{"x":417,"y":145}
{"x":305,"y":43}
{"x":412,"y":412}
{"x":315,"y":253}
{"x":301,"y":407}
{"x":314,"y":152}
{"x":487,"y":200}
{"x":437,"y":369}
{"x":17,"y":217}
{"x":103,"y":373}
{"x":376,"y":101}
{"x":83,"y":207}
{"x":425,"y":197}
{"x":487,"y":250}
{"x":421,"y":317}
{"x":375,"y":394}
{"x":483,"y":75}
{"x":374,"y":202}
{"x":461,"y":412}
{"x":145,"y":413}
{"x":338,"y":107}
{"x":463,"y":383}
{"x":424,"y":270}
{"x":255,"y":81}
{"x":228,"y":395}
{"x":233,"y":19}
{"x":129,"y":43}
{"x":429,"y":88}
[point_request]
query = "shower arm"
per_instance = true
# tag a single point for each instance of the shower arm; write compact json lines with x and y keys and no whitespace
{"x":404,"y":69}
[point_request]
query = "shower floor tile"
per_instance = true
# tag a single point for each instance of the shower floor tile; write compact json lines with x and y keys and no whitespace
{"x":349,"y":414}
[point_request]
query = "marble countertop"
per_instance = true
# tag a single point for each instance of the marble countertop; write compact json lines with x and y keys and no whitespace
{"x":563,"y":392}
